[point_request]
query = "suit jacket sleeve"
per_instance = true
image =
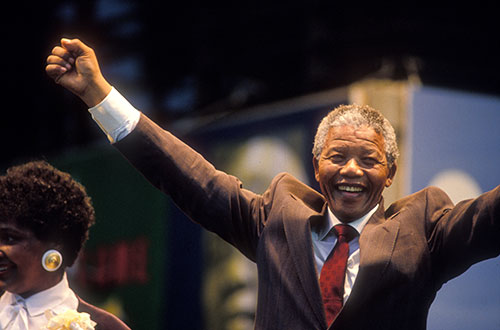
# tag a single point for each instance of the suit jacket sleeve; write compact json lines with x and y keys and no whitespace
{"x":464,"y":234}
{"x":210,"y":197}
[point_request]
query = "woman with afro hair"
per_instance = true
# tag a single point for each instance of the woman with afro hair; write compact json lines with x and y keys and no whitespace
{"x":45,"y":217}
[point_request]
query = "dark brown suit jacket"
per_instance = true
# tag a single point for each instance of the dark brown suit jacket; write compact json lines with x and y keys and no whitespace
{"x":407,"y":252}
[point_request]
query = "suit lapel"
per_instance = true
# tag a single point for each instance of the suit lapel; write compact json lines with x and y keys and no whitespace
{"x":377,"y":242}
{"x":298,"y":236}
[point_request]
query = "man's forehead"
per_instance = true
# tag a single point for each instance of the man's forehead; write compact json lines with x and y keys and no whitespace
{"x":354,"y":134}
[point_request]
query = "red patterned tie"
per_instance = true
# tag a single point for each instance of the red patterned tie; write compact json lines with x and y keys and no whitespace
{"x":331,"y":279}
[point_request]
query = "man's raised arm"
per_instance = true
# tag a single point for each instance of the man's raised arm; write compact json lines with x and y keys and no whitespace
{"x":210,"y":197}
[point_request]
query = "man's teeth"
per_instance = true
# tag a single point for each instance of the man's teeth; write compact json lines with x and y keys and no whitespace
{"x":350,"y":189}
{"x":3,"y":268}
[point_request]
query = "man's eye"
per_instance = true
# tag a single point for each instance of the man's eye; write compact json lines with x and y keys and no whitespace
{"x":337,"y":158}
{"x":370,"y":161}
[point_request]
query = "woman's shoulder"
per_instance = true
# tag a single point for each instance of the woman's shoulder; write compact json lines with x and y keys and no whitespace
{"x":105,"y":320}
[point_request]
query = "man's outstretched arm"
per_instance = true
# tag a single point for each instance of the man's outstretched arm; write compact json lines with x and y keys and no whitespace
{"x":210,"y":197}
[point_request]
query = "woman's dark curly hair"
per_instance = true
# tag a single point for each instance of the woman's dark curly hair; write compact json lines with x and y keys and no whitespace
{"x":48,"y":202}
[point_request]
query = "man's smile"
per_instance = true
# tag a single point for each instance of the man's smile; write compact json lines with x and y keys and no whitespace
{"x":350,"y":188}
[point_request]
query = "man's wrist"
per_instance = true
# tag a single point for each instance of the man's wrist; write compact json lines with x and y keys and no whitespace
{"x":96,"y":92}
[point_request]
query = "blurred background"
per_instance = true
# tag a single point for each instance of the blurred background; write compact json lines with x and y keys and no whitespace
{"x":246,"y":84}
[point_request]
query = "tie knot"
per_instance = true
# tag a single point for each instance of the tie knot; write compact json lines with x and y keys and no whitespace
{"x":345,"y":231}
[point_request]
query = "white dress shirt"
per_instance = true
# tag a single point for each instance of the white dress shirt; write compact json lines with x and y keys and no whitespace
{"x":117,"y":118}
{"x":324,"y":241}
{"x":17,"y":313}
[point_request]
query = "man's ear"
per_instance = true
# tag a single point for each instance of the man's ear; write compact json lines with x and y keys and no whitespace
{"x":316,"y":168}
{"x":392,"y":173}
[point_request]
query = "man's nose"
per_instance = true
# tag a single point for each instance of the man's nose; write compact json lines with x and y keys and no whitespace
{"x":351,"y":168}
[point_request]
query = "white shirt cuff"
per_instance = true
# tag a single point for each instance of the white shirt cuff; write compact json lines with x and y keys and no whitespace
{"x":115,"y":116}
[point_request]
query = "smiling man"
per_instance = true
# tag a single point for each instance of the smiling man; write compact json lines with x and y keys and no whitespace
{"x":336,"y":260}
{"x":355,"y":154}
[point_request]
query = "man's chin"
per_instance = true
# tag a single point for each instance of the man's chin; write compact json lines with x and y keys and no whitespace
{"x":349,"y":211}
{"x":345,"y":217}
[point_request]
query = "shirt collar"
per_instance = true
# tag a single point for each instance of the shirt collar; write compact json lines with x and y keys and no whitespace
{"x":324,"y":228}
{"x":57,"y":298}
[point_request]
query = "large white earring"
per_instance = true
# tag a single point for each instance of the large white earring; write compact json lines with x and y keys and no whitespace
{"x":52,"y":260}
